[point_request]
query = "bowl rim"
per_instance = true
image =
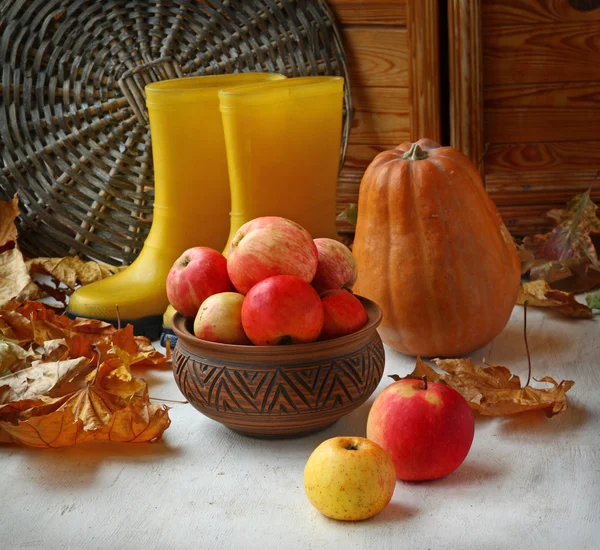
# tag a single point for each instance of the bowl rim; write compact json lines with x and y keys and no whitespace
{"x":374,"y":317}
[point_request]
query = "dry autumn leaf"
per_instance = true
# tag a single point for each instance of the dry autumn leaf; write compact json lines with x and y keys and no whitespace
{"x":39,"y":380}
{"x":71,"y":271}
{"x":566,"y":257}
{"x":15,"y":281}
{"x":494,"y":390}
{"x":90,"y":414}
{"x":9,"y":210}
{"x":539,"y":294}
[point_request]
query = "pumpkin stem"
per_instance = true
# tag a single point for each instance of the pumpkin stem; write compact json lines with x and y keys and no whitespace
{"x":415,"y":153}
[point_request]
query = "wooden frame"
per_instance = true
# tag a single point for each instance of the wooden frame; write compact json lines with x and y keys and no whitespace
{"x":466,"y":78}
{"x":424,"y":69}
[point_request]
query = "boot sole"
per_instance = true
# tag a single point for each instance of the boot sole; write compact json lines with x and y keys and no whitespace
{"x":150,"y":327}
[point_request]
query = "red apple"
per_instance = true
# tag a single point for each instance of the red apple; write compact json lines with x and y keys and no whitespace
{"x":427,"y":428}
{"x":344,"y":314}
{"x":270,"y":246}
{"x":336,"y":267}
{"x":197,"y":274}
{"x":219,"y":319}
{"x":282,"y":310}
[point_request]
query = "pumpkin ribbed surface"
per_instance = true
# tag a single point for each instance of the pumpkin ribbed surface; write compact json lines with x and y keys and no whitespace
{"x":433,"y":252}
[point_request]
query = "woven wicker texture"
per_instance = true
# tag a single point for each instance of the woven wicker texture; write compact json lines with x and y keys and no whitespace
{"x":75,"y":141}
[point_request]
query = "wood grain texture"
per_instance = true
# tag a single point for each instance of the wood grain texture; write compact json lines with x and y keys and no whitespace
{"x":380,"y":115}
{"x":528,"y":157}
{"x":369,"y":12}
{"x":517,"y":12}
{"x":464,"y":57}
{"x":526,"y":219}
{"x":542,"y":53}
{"x":544,"y":112}
{"x":360,"y":156}
{"x":543,"y":187}
{"x":377,"y":57}
{"x":424,"y":69}
{"x":347,"y":193}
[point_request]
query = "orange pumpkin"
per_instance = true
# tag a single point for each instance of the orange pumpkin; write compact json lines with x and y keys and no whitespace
{"x":433,"y":252}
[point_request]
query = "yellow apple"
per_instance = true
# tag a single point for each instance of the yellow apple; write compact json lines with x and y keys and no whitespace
{"x":349,"y":478}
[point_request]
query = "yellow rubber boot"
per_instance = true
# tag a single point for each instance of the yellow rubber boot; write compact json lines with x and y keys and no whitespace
{"x":191,"y":200}
{"x":283,"y":151}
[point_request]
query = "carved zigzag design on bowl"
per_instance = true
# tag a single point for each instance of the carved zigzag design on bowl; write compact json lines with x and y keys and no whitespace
{"x":282,"y":390}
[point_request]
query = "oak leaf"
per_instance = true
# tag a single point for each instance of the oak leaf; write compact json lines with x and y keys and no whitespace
{"x":494,"y":390}
{"x":566,"y":257}
{"x":539,"y":294}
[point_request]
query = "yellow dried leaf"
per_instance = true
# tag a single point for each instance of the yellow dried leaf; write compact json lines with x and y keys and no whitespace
{"x":39,"y":380}
{"x":9,"y":210}
{"x":91,"y":414}
{"x":114,"y":376}
{"x":72,"y":270}
{"x":494,"y":390}
{"x":15,"y":282}
{"x":539,"y":294}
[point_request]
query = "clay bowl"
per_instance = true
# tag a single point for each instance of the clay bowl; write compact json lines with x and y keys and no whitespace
{"x":279,"y":391}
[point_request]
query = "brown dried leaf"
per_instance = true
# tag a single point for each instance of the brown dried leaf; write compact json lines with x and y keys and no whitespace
{"x":15,"y":282}
{"x":72,"y":270}
{"x":15,"y":326}
{"x":567,"y":255}
{"x":140,"y":350}
{"x":494,"y":390}
{"x":539,"y":294}
{"x":39,"y":380}
{"x":90,"y":414}
{"x":13,"y":358}
{"x":9,"y":210}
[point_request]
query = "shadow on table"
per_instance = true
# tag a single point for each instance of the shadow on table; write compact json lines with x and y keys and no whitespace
{"x":468,"y":473}
{"x":81,"y":462}
{"x":538,"y":425}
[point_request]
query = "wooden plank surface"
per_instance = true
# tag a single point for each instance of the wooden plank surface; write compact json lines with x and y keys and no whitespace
{"x":527,"y":157}
{"x":544,"y":187}
{"x":381,"y":115}
{"x":359,"y":155}
{"x":526,"y":219}
{"x":377,"y":57}
{"x":545,"y":112}
{"x":369,"y":12}
{"x":424,"y":69}
{"x":516,"y":12}
{"x":465,"y":73}
{"x":542,"y":53}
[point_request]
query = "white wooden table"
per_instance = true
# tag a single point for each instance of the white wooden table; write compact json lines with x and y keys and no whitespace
{"x":528,"y":482}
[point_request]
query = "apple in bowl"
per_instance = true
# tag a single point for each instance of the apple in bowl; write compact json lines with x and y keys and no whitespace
{"x":197,"y":274}
{"x":269,"y":246}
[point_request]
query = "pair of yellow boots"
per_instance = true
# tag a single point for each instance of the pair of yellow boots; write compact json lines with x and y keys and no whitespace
{"x":226,"y":149}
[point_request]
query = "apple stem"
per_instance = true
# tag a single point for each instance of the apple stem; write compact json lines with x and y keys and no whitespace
{"x":425,"y":382}
{"x":525,"y":304}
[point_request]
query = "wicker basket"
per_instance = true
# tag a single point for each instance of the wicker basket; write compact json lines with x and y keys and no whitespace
{"x":75,"y":141}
